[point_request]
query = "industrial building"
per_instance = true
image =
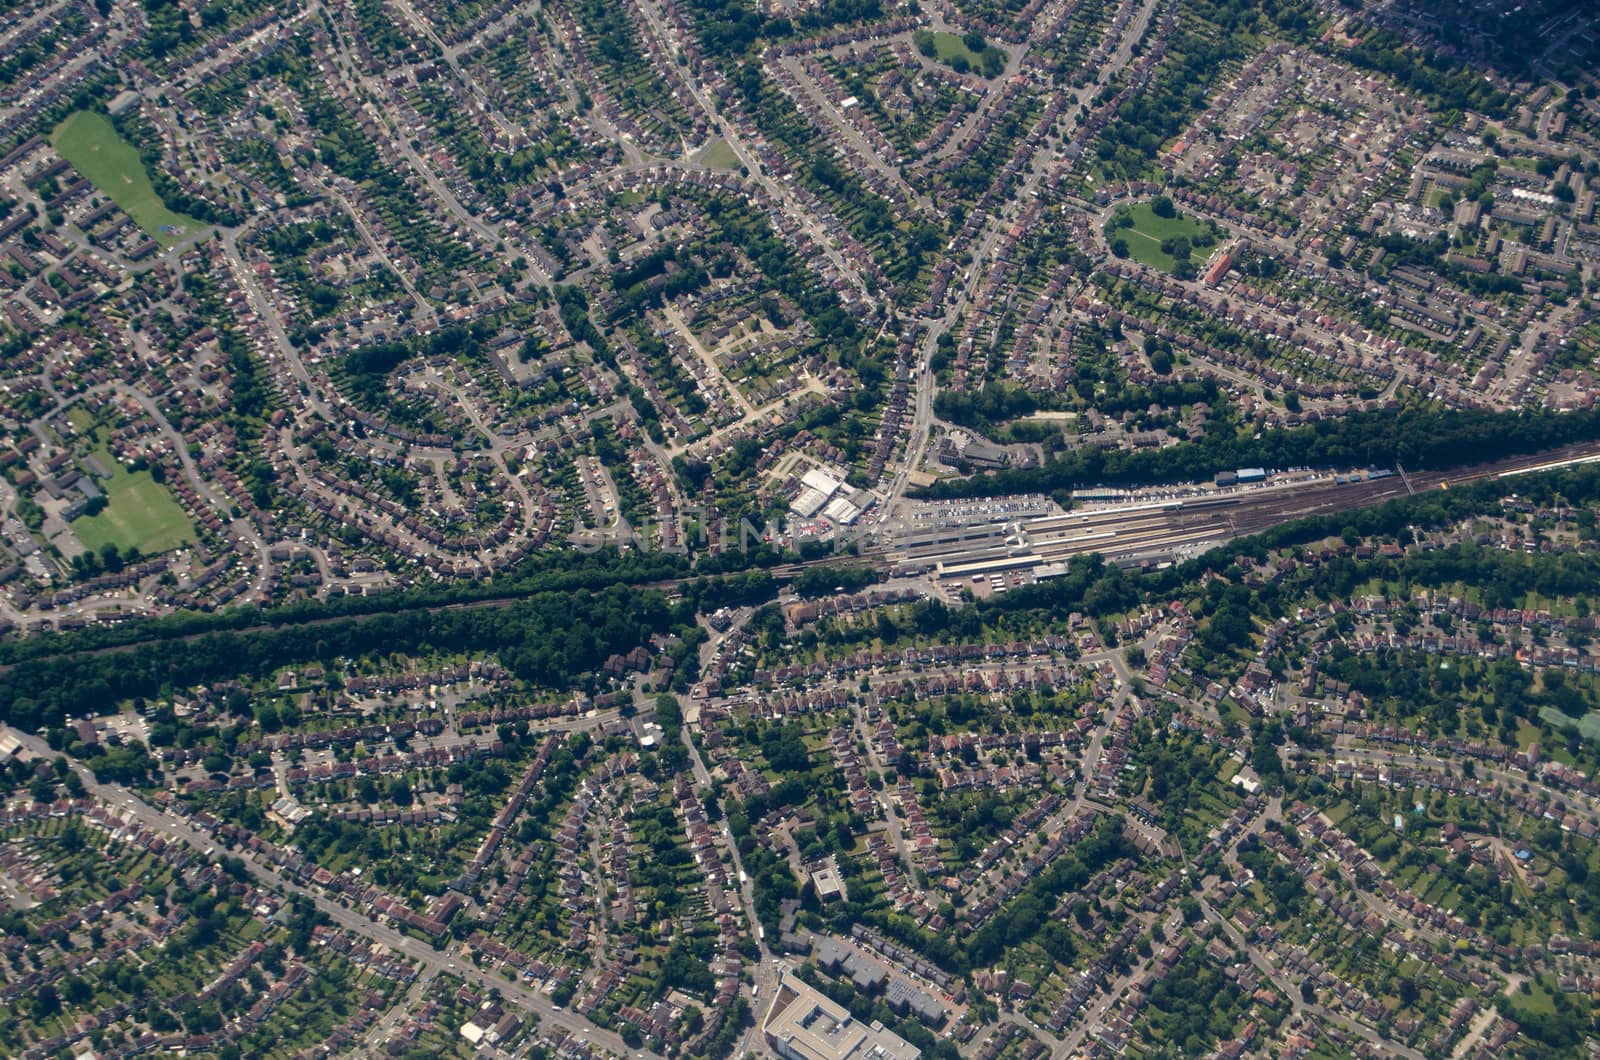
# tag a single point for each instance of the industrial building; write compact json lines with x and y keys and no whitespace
{"x":817,"y":488}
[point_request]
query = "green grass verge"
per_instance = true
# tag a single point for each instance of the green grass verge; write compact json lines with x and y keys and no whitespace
{"x":719,"y":155}
{"x":92,"y":144}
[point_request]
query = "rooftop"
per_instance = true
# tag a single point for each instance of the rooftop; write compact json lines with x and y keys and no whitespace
{"x":804,"y":1025}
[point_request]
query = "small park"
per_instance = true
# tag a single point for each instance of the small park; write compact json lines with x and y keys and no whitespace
{"x":1156,"y":234}
{"x":94,"y":148}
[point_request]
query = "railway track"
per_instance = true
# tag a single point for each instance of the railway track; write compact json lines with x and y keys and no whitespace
{"x":781,"y":572}
{"x":1164,"y":526}
{"x":1145,"y":529}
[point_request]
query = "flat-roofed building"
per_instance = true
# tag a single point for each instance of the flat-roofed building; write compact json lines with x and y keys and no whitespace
{"x":827,"y":883}
{"x":804,"y":1025}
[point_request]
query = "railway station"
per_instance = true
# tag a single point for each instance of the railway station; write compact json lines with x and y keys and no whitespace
{"x":1011,"y":541}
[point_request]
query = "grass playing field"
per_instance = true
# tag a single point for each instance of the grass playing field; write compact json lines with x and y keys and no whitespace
{"x":139,"y":512}
{"x":94,"y":147}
